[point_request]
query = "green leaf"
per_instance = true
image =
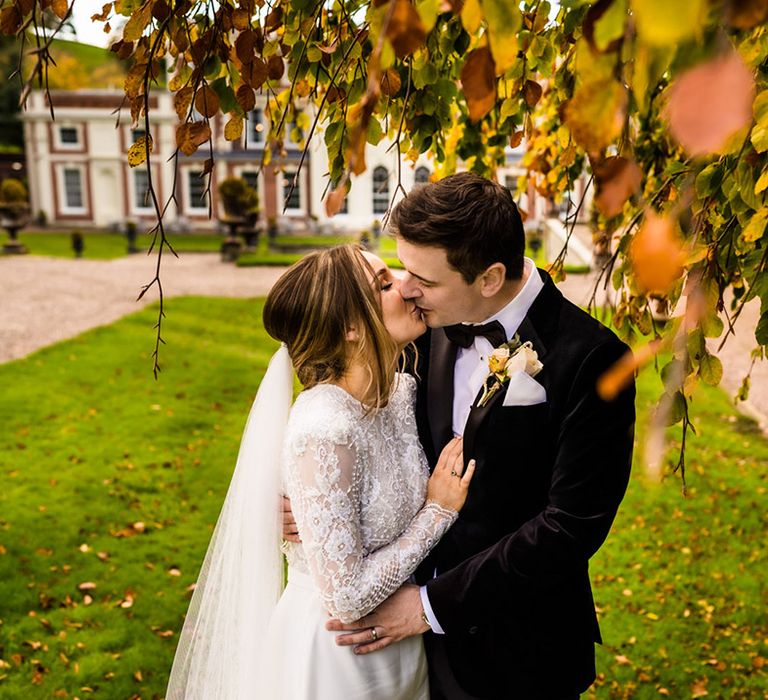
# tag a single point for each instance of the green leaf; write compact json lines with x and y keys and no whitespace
{"x":710,"y":369}
{"x":611,"y":25}
{"x":762,"y":182}
{"x":708,"y":180}
{"x":676,"y":408}
{"x":375,"y":134}
{"x":761,"y":332}
{"x":225,"y":93}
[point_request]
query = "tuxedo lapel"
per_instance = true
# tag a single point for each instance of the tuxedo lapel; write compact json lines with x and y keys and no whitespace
{"x":442,"y":356}
{"x":541,"y":320}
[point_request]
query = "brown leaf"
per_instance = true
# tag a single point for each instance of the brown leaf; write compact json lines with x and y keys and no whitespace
{"x":160,"y":10}
{"x":190,"y":136}
{"x":86,"y":586}
{"x":709,"y":103}
{"x":105,"y":11}
{"x":657,"y":254}
{"x":303,"y":88}
{"x":699,"y":689}
{"x":594,"y":13}
{"x":244,"y":46}
{"x":405,"y":30}
{"x":390,"y":82}
{"x":137,"y":676}
{"x":274,"y":19}
{"x":478,"y":78}
{"x":182,"y":101}
{"x":275,"y":67}
{"x":245,"y":97}
{"x":336,"y":94}
{"x":516,"y":139}
{"x":241,"y":19}
{"x":10,"y":20}
{"x":531,"y":93}
{"x":617,"y":179}
{"x":335,"y":200}
{"x":745,"y":14}
{"x":255,"y":73}
{"x":206,"y":101}
{"x":60,"y":8}
{"x":207,"y":168}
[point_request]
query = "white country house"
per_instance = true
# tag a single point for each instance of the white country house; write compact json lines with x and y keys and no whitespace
{"x":79,"y":175}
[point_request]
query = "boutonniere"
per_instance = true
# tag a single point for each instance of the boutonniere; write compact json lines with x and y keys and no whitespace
{"x":506,"y":360}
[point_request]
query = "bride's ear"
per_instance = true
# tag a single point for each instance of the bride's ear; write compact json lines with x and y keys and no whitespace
{"x":351,"y":335}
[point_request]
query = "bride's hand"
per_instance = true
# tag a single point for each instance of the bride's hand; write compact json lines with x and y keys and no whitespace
{"x":449,"y":482}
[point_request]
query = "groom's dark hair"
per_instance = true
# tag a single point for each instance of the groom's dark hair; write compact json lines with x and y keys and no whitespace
{"x":473,"y":219}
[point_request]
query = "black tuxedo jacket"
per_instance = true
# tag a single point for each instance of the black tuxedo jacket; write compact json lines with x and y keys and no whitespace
{"x":512,"y":589}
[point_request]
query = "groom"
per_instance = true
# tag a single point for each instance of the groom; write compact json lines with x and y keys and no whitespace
{"x":505,"y":598}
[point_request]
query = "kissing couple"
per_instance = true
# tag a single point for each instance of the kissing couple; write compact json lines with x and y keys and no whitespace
{"x":449,"y":470}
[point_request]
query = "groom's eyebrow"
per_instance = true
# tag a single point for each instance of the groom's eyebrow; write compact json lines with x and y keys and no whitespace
{"x":419,"y":277}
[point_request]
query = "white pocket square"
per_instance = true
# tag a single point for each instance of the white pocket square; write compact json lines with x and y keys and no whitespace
{"x":524,"y":390}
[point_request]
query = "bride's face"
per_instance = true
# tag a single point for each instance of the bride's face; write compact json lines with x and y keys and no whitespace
{"x":402,"y":317}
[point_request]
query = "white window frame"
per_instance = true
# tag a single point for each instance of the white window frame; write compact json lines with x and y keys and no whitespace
{"x":79,"y":145}
{"x":377,"y":196}
{"x":147,"y":207}
{"x":250,"y":143}
{"x":188,"y":206}
{"x":302,"y":210}
{"x":62,"y":187}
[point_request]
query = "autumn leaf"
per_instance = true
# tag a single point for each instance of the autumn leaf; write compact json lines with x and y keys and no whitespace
{"x":617,"y":179}
{"x":622,"y":372}
{"x":471,"y":15}
{"x":233,"y":129}
{"x":754,"y":230}
{"x":275,"y":67}
{"x":745,"y":14}
{"x":10,"y":20}
{"x":206,"y":101}
{"x":405,"y":29}
{"x":390,"y":82}
{"x":182,"y":101}
{"x":657,"y":254}
{"x":245,"y":46}
{"x":595,"y":114}
{"x":245,"y":97}
{"x":137,"y":153}
{"x":478,"y":78}
{"x":60,"y":8}
{"x":335,"y":200}
{"x":137,"y":23}
{"x":254,"y":73}
{"x":658,"y":26}
{"x":709,"y":103}
{"x":504,"y":22}
{"x":516,"y":139}
{"x":531,"y":93}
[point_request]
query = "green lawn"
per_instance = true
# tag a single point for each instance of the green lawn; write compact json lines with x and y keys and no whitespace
{"x":111,"y":484}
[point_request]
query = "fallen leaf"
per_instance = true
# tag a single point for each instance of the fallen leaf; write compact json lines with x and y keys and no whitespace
{"x":86,"y":586}
{"x":699,"y":689}
{"x":709,"y":103}
{"x":621,"y":660}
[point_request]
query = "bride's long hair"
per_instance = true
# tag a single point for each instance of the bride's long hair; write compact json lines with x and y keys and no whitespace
{"x":313,"y":306}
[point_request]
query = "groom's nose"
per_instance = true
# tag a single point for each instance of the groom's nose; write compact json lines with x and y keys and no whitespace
{"x":409,"y":288}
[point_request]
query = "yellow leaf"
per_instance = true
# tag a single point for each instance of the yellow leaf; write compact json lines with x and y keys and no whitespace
{"x":60,"y":8}
{"x":595,"y":114}
{"x":471,"y":16}
{"x":233,"y":129}
{"x":753,"y":231}
{"x":137,"y":23}
{"x":504,"y":21}
{"x":428,"y":11}
{"x":137,"y":153}
{"x":664,"y":23}
{"x":762,"y":182}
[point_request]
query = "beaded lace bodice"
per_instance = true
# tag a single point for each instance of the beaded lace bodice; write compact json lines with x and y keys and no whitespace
{"x":357,"y":486}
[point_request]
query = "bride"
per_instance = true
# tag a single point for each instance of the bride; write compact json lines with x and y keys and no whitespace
{"x":348,"y":456}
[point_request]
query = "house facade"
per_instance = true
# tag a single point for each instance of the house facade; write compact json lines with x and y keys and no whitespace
{"x":79,"y":175}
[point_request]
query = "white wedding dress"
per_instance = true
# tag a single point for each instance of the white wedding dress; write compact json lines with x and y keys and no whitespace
{"x":357,"y":485}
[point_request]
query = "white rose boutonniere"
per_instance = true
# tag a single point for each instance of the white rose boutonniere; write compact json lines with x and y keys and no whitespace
{"x":506,"y":360}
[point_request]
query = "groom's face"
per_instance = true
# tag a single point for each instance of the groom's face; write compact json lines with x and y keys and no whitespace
{"x":437,"y":288}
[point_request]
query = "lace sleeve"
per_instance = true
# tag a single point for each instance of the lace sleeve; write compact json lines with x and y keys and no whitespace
{"x":326,"y":505}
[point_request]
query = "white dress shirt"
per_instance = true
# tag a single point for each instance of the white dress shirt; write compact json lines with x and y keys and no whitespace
{"x":471,"y":369}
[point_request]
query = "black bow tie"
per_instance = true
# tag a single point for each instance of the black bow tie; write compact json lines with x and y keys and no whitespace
{"x":464,"y":335}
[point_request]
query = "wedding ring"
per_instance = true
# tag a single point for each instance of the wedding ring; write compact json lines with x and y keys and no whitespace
{"x":374,"y":634}
{"x":454,"y":472}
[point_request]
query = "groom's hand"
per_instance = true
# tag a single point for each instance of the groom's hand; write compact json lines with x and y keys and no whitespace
{"x":398,"y":617}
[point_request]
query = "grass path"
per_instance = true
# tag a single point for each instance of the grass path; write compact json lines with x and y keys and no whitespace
{"x":111,"y":483}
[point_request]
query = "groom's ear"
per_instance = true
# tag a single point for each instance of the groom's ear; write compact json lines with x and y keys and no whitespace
{"x":492,"y":280}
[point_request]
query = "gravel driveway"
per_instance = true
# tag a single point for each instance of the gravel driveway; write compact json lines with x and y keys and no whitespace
{"x":45,"y":300}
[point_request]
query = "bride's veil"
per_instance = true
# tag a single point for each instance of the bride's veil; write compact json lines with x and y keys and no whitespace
{"x":241,"y":579}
